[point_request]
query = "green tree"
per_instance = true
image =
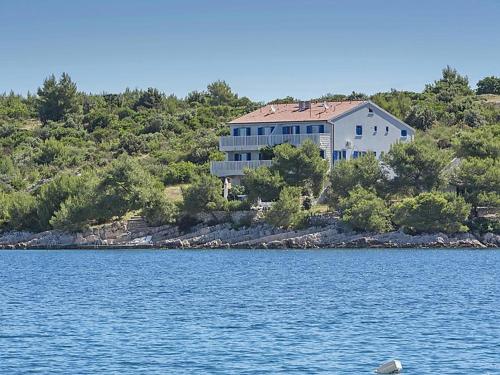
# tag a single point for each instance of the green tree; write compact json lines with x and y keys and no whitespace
{"x":53,"y":194}
{"x":483,"y":142}
{"x":157,"y":209}
{"x":21,"y":212}
{"x":151,"y":98}
{"x":220,"y":93}
{"x":363,"y":210}
{"x":450,"y":86}
{"x":489,"y":85}
{"x":262,"y":183}
{"x":418,"y":165}
{"x":432,"y":212}
{"x":479,"y":180}
{"x":286,"y":212}
{"x":301,"y":166}
{"x":365,"y":171}
{"x":204,"y":194}
{"x":57,"y":99}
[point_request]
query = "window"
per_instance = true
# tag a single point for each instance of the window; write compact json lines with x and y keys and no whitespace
{"x":344,"y":154}
{"x":359,"y":130}
{"x":375,"y":129}
{"x":237,"y":157}
{"x":296,"y":129}
{"x":313,"y":129}
{"x":236,"y":132}
{"x":322,"y":153}
{"x":249,"y":156}
{"x":336,"y":155}
{"x":404,"y":133}
{"x":286,"y":130}
{"x":249,"y":131}
{"x":370,"y":110}
{"x":386,"y":129}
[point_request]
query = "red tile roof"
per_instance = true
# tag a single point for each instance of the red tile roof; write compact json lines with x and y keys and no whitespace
{"x":291,"y":113}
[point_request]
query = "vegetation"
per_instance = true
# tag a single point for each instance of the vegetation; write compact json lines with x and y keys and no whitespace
{"x":363,"y":210}
{"x":71,"y":159}
{"x":287,"y":210}
{"x":432,"y":212}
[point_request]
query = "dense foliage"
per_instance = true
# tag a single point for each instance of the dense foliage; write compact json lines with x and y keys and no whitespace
{"x":71,"y":159}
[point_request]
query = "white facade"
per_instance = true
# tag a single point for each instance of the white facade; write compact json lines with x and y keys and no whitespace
{"x":364,"y":128}
{"x":379,"y":131}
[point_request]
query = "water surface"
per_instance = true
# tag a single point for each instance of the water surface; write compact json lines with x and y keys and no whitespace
{"x":249,"y":312}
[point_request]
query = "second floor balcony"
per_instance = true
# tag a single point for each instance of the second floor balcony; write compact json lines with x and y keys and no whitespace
{"x":256,"y":142}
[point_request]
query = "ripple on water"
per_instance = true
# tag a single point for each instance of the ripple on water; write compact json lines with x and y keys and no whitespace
{"x":246,"y":312}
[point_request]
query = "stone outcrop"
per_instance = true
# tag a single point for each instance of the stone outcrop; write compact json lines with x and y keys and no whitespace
{"x":325,"y":231}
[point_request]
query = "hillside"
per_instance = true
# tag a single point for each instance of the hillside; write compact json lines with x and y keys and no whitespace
{"x":71,"y":159}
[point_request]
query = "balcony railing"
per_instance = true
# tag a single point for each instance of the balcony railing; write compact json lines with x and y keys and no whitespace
{"x":255,"y":142}
{"x":235,"y":168}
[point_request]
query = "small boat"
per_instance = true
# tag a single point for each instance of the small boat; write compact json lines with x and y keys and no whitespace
{"x":391,"y":367}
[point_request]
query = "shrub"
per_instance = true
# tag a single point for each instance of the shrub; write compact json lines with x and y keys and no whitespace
{"x":262,"y":183}
{"x":301,"y":166}
{"x":21,"y":212}
{"x":418,"y":165}
{"x":365,"y":171}
{"x":53,"y":194}
{"x":432,"y":212}
{"x":363,"y":210}
{"x":204,"y":194}
{"x":180,"y":172}
{"x":157,"y":209}
{"x":286,"y":212}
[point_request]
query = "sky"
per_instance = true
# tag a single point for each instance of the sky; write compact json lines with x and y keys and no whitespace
{"x":262,"y":49}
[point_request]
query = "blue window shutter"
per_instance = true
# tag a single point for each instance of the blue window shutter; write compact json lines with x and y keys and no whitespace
{"x":249,"y":156}
{"x":249,"y":131}
{"x":235,"y":132}
{"x":285,"y":130}
{"x":404,"y":133}
{"x":322,"y":153}
{"x":260,"y":155}
{"x":359,"y":130}
{"x":387,"y":129}
{"x":335,"y":155}
{"x":272,"y":129}
{"x":260,"y":131}
{"x":297,"y":129}
{"x":322,"y":128}
{"x":309,"y":129}
{"x":236,"y":157}
{"x":355,"y":155}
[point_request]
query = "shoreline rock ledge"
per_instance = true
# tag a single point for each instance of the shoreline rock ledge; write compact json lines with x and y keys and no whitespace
{"x":135,"y":234}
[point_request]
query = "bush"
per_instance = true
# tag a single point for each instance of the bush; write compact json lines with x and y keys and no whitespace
{"x":418,"y":165}
{"x":262,"y":183}
{"x":21,"y":211}
{"x":53,"y":194}
{"x":365,"y":171}
{"x":363,"y":210}
{"x":204,"y":194}
{"x":432,"y":212}
{"x":301,"y":166}
{"x":286,"y":212}
{"x":157,"y":209}
{"x":179,"y":173}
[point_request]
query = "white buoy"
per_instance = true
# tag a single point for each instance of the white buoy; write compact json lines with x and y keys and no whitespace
{"x":391,"y":367}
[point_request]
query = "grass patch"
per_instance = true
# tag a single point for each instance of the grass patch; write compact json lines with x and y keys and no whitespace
{"x":174,"y":192}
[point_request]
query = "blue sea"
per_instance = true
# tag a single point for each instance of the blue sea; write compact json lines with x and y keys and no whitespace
{"x":249,"y":311}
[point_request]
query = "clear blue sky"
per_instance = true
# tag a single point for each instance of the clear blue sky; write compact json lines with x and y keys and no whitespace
{"x":263,"y":49}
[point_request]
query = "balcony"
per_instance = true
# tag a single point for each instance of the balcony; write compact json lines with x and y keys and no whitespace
{"x":256,"y":142}
{"x":235,"y":168}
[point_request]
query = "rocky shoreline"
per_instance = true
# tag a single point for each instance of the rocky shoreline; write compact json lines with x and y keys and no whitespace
{"x":324,"y":232}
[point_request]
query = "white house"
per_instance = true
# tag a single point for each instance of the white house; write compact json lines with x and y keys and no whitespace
{"x":342,"y":130}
